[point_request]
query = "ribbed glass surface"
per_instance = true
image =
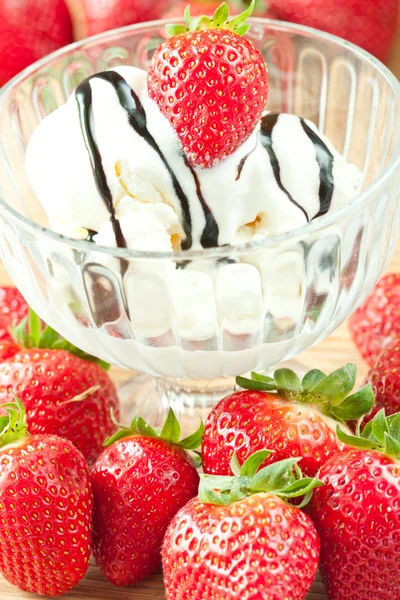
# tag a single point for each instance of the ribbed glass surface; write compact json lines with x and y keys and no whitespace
{"x":151,"y":313}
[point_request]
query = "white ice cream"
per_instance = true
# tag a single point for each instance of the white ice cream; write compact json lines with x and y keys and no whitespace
{"x":203,"y":305}
{"x":241,"y":192}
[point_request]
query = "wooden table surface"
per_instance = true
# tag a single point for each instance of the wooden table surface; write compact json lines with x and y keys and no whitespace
{"x":333,"y":352}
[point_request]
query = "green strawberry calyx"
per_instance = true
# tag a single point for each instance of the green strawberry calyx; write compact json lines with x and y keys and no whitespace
{"x":328,"y":393}
{"x":382,"y":433}
{"x":283,"y":479}
{"x":13,"y":426}
{"x":31,"y":332}
{"x":220,"y":20}
{"x":171,"y":432}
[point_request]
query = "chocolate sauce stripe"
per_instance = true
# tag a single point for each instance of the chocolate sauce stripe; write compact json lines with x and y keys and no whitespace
{"x":84,"y":101}
{"x":244,"y":160}
{"x":209,"y":237}
{"x":268,"y":123}
{"x":325,"y":160}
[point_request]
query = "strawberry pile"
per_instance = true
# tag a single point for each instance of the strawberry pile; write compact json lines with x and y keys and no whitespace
{"x":291,"y":480}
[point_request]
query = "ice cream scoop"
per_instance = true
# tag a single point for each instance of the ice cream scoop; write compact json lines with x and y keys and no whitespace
{"x":109,"y":165}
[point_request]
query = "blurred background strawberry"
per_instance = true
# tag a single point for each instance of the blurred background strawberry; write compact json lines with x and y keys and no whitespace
{"x":30,"y":29}
{"x":370,"y":24}
{"x":94,"y":16}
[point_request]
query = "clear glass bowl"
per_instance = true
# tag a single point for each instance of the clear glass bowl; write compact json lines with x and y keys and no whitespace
{"x":183,"y":315}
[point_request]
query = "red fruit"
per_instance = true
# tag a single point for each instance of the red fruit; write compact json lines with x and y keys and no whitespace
{"x":45,"y":510}
{"x":8,"y":349}
{"x":91,"y":16}
{"x":30,"y":30}
{"x":292,"y":424}
{"x":357,"y":517}
{"x":370,"y":24}
{"x":212,"y":85}
{"x":48,"y":382}
{"x":13,"y":308}
{"x":377,"y":322}
{"x":257,"y":547}
{"x":384,"y":378}
{"x":139,"y":483}
{"x":65,"y":391}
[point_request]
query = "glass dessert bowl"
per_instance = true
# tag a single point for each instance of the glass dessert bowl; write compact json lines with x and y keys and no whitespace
{"x":225,"y":310}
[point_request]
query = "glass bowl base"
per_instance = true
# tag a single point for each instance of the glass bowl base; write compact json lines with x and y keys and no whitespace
{"x":191,"y":399}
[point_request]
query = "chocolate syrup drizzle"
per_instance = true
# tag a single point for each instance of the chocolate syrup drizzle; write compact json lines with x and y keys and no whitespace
{"x":209,"y":237}
{"x":130,"y":102}
{"x":137,"y":119}
{"x":324,"y":159}
{"x":90,"y":235}
{"x":243,"y":162}
{"x":325,"y":162}
{"x":268,"y":123}
{"x":83,"y":96}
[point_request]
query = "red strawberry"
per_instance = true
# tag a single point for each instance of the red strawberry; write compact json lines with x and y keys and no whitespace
{"x":29,"y":30}
{"x":370,"y":24}
{"x":91,"y":16}
{"x":239,"y":539}
{"x":384,"y":378}
{"x":377,"y":322}
{"x":293,"y":418}
{"x":8,"y":349}
{"x":13,"y":308}
{"x":45,"y":508}
{"x":357,"y":515}
{"x":139,"y":482}
{"x":211,"y":84}
{"x":64,"y":394}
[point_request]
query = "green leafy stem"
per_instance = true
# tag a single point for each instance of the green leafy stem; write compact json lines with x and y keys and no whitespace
{"x":283,"y":478}
{"x":220,"y":20}
{"x":31,"y":332}
{"x":330,"y":393}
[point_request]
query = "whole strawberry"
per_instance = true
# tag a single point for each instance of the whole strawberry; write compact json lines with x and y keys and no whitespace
{"x":211,"y":84}
{"x":30,"y":29}
{"x":370,"y":24}
{"x":377,"y":322}
{"x":292,"y":418}
{"x":240,"y":539}
{"x":357,"y":515}
{"x":63,"y":392}
{"x":90,"y":17}
{"x":139,"y":482}
{"x":45,"y":508}
{"x":384,"y":378}
{"x":13,"y":308}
